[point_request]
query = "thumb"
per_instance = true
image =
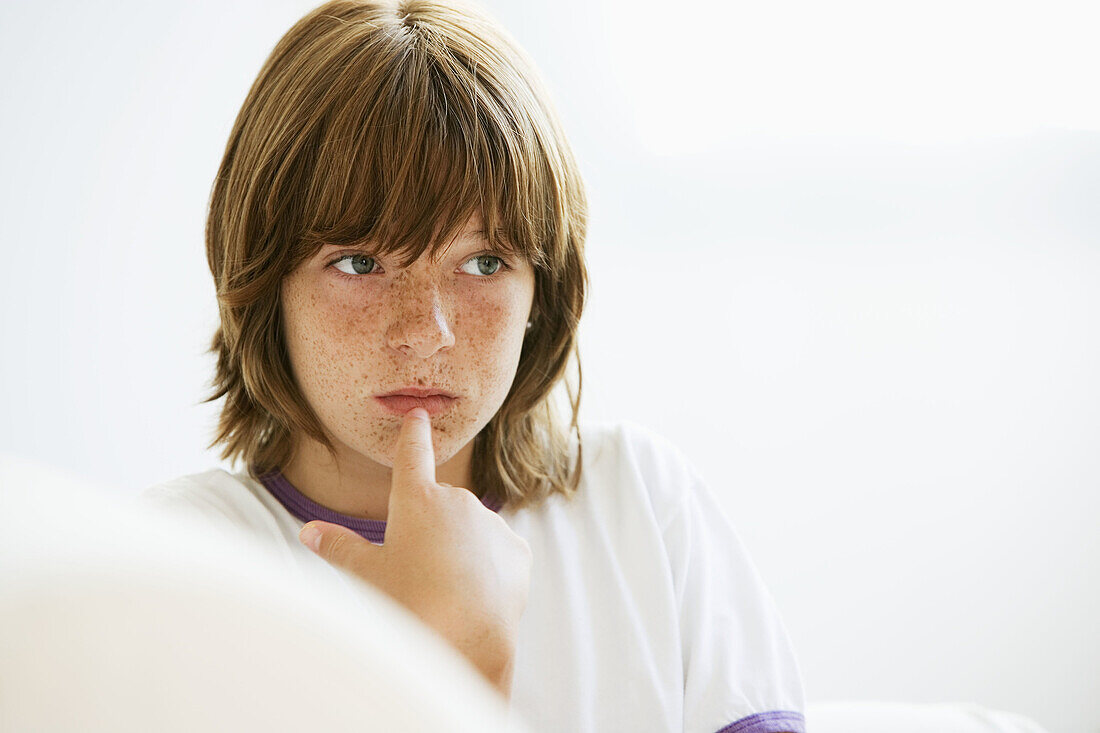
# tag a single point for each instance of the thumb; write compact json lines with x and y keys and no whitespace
{"x":337,"y":545}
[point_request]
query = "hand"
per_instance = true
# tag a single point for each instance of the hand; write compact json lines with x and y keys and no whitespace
{"x":447,"y":558}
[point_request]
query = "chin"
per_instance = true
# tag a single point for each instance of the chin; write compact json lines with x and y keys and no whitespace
{"x":444,"y":446}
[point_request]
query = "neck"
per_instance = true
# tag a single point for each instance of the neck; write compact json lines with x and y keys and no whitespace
{"x":355,"y":485}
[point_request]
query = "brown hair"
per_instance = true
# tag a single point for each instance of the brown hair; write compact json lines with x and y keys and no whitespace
{"x":394,"y":122}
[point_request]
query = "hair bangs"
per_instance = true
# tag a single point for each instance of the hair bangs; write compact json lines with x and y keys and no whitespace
{"x":417,"y":148}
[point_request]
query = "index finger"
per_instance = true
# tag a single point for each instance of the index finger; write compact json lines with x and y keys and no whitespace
{"x":414,"y":464}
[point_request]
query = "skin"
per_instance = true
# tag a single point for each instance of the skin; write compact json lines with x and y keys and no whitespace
{"x":438,"y":323}
{"x":452,"y":562}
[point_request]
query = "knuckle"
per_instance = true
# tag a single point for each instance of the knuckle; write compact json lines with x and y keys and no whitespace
{"x":337,"y":547}
{"x":407,"y":464}
{"x":457,"y":493}
{"x":415,"y":444}
{"x":471,"y":500}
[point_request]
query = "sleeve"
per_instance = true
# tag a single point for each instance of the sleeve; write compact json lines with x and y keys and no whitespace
{"x":740,"y":671}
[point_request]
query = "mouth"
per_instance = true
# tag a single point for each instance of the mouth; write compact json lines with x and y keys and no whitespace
{"x":434,"y":401}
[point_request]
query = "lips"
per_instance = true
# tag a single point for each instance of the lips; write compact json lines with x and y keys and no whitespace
{"x":400,"y":401}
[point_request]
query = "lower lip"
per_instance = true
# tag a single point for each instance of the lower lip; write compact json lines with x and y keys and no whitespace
{"x":400,"y":404}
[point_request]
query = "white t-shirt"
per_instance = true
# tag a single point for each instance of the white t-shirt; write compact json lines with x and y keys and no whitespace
{"x":645,"y":612}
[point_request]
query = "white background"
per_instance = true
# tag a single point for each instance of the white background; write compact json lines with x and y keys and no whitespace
{"x":845,"y":255}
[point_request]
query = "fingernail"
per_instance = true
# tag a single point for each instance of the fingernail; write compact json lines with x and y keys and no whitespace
{"x":311,"y":537}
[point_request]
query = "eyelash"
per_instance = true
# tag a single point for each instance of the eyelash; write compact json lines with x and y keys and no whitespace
{"x":504,"y":266}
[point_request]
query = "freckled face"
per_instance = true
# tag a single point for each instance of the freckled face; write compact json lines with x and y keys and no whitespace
{"x":358,"y":326}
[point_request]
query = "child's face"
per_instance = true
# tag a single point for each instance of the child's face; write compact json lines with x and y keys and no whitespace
{"x":357,"y":328}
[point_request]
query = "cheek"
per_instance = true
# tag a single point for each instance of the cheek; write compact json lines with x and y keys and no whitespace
{"x":493,"y":324}
{"x":492,"y":336}
{"x":487,"y":320}
{"x":330,"y":335}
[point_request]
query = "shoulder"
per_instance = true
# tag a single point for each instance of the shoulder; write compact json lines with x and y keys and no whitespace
{"x":216,"y":487}
{"x":213,"y":495}
{"x":636,"y":458}
{"x":229,"y":502}
{"x":630,"y":441}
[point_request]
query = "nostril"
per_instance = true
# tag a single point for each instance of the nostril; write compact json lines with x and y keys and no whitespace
{"x":421,"y":336}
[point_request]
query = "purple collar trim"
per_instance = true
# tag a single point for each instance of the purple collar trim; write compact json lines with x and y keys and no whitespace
{"x":306,"y":510}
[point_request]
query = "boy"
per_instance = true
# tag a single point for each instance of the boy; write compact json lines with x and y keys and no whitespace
{"x":396,"y":234}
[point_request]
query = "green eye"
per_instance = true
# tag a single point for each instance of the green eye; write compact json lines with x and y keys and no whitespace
{"x":485,"y":264}
{"x":360,"y":264}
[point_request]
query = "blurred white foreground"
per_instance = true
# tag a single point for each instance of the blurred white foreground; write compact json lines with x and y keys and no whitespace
{"x":114,"y":620}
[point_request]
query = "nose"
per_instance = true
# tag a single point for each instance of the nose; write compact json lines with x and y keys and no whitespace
{"x":420,"y":327}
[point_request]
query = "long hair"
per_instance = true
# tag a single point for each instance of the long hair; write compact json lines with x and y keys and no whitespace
{"x":394,"y":122}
